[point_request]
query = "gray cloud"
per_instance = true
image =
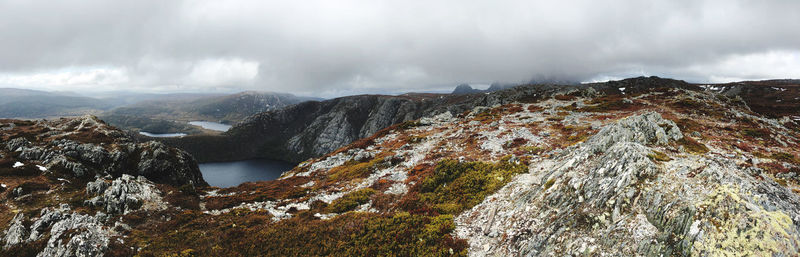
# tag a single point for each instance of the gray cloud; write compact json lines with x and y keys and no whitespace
{"x":340,"y":47}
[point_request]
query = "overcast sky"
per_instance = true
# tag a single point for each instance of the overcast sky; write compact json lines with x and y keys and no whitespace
{"x":329,"y":48}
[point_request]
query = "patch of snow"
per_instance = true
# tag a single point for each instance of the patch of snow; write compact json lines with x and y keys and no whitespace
{"x":324,"y":216}
{"x":3,"y":185}
{"x":779,"y":89}
{"x":712,"y":88}
{"x":18,"y":164}
{"x":694,"y":229}
{"x":41,"y":168}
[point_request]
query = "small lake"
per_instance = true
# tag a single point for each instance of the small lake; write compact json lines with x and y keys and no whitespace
{"x":162,"y":135}
{"x":211,"y":125}
{"x":228,"y":174}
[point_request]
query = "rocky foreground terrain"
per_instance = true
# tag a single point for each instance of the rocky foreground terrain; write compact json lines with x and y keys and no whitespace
{"x":647,"y":167}
{"x":64,"y":185}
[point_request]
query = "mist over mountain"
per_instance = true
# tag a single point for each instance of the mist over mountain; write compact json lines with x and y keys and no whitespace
{"x":171,"y":114}
{"x":31,"y":104}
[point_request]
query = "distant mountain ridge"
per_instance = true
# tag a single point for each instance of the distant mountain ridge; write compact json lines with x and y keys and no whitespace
{"x":315,"y":128}
{"x":26,"y":103}
{"x":467,"y":89}
{"x":156,"y":113}
{"x":170,"y":115}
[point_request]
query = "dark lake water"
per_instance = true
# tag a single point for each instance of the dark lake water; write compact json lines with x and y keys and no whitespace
{"x":228,"y":174}
{"x":211,"y":125}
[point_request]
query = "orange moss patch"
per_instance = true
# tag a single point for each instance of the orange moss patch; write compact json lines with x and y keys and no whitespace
{"x":534,"y":108}
{"x":248,"y":192}
{"x":185,"y":197}
{"x":565,"y":97}
{"x":610,"y":103}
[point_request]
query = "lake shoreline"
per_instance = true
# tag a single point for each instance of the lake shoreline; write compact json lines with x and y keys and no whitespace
{"x":234,"y":173}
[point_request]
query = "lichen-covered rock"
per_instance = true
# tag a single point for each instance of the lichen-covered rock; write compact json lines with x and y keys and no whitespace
{"x":16,"y":232}
{"x":70,"y":233}
{"x":609,"y":195}
{"x":125,"y":194}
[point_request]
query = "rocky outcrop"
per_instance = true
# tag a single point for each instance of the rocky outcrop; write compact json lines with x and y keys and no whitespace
{"x":16,"y":232}
{"x":124,"y":194}
{"x":70,"y":233}
{"x":86,"y":147}
{"x":48,"y":162}
{"x":610,"y":195}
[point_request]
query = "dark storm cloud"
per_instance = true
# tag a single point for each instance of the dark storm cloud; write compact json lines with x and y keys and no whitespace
{"x":335,"y":47}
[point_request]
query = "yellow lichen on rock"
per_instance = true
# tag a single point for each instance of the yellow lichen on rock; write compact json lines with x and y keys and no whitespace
{"x":736,"y":227}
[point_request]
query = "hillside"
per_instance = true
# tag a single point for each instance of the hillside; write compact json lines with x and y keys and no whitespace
{"x":312,"y":129}
{"x":644,"y":166}
{"x":63,"y":183}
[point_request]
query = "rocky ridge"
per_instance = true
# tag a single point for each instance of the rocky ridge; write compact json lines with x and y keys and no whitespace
{"x":646,"y":167}
{"x":71,"y":180}
{"x":650,"y":168}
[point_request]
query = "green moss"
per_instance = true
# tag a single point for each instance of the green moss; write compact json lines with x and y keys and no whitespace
{"x":409,"y":124}
{"x":351,"y":200}
{"x":692,"y":145}
{"x":350,"y":234}
{"x":416,"y":139}
{"x":352,"y":170}
{"x":488,"y":116}
{"x":549,"y":183}
{"x":658,"y":156}
{"x":456,"y":186}
{"x":785,"y":157}
{"x":755,"y":133}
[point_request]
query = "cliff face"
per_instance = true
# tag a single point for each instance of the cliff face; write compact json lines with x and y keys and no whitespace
{"x":312,"y":129}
